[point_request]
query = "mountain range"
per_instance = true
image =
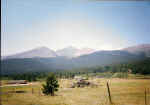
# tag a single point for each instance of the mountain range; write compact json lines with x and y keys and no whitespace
{"x":71,"y":52}
{"x":42,"y":52}
{"x":43,"y":59}
{"x":140,"y":49}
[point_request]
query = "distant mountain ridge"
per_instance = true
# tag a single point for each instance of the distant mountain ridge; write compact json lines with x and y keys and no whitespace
{"x":49,"y":60}
{"x":42,"y":52}
{"x":71,"y":52}
{"x":85,"y":51}
{"x":100,"y":58}
{"x":67,"y":52}
{"x":139,"y":49}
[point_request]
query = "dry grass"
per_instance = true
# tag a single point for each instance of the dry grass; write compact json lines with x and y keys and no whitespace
{"x":123,"y":92}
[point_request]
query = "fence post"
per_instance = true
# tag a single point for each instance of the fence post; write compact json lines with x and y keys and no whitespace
{"x":109,"y":93}
{"x":145,"y":97}
{"x":32,"y":91}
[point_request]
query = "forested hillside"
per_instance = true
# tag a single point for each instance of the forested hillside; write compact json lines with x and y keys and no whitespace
{"x":102,"y":58}
{"x":138,"y":67}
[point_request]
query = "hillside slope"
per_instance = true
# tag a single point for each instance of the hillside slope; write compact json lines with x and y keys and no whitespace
{"x":100,"y":58}
{"x":37,"y":52}
{"x":143,"y":49}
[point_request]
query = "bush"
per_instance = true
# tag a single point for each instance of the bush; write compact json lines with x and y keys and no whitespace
{"x":51,"y":85}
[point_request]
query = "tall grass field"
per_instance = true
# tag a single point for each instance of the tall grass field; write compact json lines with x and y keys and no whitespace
{"x":122,"y":91}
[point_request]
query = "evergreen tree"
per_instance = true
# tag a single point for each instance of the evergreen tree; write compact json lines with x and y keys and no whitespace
{"x":51,"y":85}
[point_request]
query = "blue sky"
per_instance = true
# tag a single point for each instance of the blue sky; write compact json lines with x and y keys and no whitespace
{"x":56,"y":24}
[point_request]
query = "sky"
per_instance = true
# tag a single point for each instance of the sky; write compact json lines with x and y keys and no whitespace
{"x":56,"y":24}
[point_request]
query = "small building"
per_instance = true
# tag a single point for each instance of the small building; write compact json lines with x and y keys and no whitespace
{"x":80,"y":82}
{"x":17,"y":82}
{"x":78,"y":78}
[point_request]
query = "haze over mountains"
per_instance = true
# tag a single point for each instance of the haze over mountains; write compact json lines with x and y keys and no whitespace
{"x":70,"y":52}
{"x":44,"y":52}
{"x":140,"y":49}
{"x":41,"y":52}
{"x":43,"y":59}
{"x":74,"y":52}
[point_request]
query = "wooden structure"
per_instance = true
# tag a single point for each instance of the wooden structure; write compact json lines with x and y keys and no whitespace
{"x":17,"y":82}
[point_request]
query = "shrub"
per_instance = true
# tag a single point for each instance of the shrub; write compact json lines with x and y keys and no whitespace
{"x":51,"y":85}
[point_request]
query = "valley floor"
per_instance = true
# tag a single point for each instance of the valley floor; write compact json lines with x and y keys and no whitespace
{"x":123,"y":92}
